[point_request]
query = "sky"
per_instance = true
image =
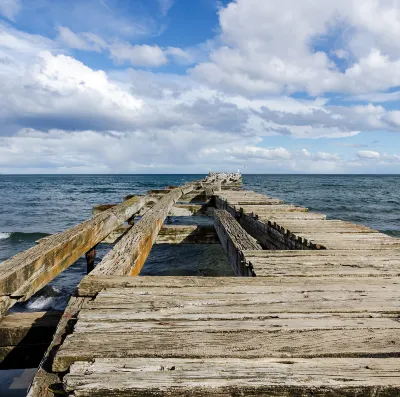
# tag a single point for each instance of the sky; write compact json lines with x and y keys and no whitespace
{"x":192,"y":86}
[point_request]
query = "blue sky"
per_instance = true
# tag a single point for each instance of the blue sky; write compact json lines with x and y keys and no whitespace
{"x":152,"y":86}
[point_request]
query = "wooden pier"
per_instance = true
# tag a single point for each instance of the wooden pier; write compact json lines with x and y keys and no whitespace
{"x":314,"y":309}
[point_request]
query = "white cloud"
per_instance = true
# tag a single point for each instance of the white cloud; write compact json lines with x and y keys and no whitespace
{"x":138,"y":55}
{"x":268,"y":49}
{"x":10,"y":8}
{"x":59,"y":113}
{"x":82,"y":41}
{"x":368,"y":154}
{"x":326,"y":156}
{"x":180,"y":56}
{"x":120,"y":52}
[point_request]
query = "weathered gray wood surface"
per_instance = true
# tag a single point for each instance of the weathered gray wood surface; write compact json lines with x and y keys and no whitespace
{"x":248,"y":317}
{"x":189,"y":210}
{"x":187,"y":234}
{"x":28,"y":328}
{"x":234,"y":240}
{"x":25,"y":273}
{"x":24,"y":338}
{"x":331,"y":377}
{"x":324,"y":263}
{"x":130,"y":253}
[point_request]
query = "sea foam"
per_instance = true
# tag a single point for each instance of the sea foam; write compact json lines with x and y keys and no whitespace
{"x":4,"y":235}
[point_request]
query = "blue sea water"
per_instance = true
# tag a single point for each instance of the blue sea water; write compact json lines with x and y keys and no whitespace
{"x":34,"y":206}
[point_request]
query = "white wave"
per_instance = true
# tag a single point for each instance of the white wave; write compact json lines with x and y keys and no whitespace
{"x":41,"y":303}
{"x":4,"y":235}
{"x":50,"y":298}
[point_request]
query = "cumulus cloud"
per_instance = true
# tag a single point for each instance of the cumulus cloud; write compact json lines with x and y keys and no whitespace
{"x":268,"y":49}
{"x":368,"y":154}
{"x":220,"y":115}
{"x":138,"y":55}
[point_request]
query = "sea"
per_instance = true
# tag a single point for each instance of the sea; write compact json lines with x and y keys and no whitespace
{"x":34,"y":206}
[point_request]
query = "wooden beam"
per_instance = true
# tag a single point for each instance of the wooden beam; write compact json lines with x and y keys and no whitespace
{"x":27,"y":272}
{"x":190,"y":210}
{"x":24,"y":338}
{"x":28,"y":328}
{"x":191,"y":234}
{"x":130,"y":253}
{"x":173,"y":234}
{"x":234,"y":240}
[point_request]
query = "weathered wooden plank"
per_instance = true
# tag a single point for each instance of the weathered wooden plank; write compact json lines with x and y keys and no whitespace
{"x":28,"y":328}
{"x":24,"y":356}
{"x":130,"y":253}
{"x":173,"y":234}
{"x":309,"y":301}
{"x":91,"y":285}
{"x":241,"y":344}
{"x":324,"y":226}
{"x":324,"y":263}
{"x":45,"y":380}
{"x":328,"y":377}
{"x":125,"y":322}
{"x":191,"y":234}
{"x":234,"y":241}
{"x":25,"y":273}
{"x":196,"y":196}
{"x":188,"y":210}
{"x":222,"y":204}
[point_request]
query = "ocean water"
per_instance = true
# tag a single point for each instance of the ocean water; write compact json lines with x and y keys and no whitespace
{"x":35,"y":206}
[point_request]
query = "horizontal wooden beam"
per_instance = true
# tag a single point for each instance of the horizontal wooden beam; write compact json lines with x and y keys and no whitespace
{"x":24,"y":337}
{"x":191,"y":234}
{"x":234,"y":240}
{"x":173,"y":234}
{"x":130,"y":253}
{"x":27,"y":272}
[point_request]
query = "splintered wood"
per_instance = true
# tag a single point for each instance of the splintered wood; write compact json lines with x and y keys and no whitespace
{"x":317,"y":313}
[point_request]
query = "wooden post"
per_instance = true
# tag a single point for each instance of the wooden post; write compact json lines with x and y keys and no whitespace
{"x":90,"y":258}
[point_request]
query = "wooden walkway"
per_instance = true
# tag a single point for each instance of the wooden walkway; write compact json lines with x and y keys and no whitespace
{"x":314,"y":311}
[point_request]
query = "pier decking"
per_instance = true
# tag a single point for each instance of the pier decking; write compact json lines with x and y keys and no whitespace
{"x":314,"y":309}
